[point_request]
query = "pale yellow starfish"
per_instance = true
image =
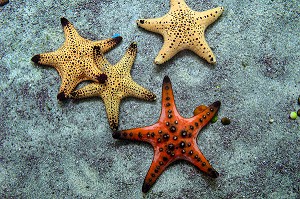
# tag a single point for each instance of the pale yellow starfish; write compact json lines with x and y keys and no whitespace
{"x":182,"y":28}
{"x":119,"y":84}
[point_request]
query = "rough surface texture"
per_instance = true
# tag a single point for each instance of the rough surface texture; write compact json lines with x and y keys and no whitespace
{"x":51,"y":149}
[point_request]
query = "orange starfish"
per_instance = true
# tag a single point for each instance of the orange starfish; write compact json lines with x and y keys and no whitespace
{"x":74,"y":59}
{"x":173,"y":137}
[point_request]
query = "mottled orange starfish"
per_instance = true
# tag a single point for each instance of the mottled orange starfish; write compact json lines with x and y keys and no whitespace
{"x":74,"y":59}
{"x":119,"y":84}
{"x":173,"y":137}
{"x":182,"y":28}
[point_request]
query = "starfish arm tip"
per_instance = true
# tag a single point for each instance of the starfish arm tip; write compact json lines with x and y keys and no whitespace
{"x":117,"y":38}
{"x":216,"y":104}
{"x":36,"y":58}
{"x":133,"y":45}
{"x":114,"y":125}
{"x":64,"y":21}
{"x":146,"y":187}
{"x":213,"y":173}
{"x":150,"y":97}
{"x":140,"y":21}
{"x":166,"y":79}
{"x":116,"y":134}
{"x":158,"y":61}
{"x":61,"y":96}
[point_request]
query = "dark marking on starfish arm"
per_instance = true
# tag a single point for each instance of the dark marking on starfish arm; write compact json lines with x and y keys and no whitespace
{"x":102,"y":78}
{"x":114,"y":126}
{"x":36,"y":58}
{"x":64,"y":21}
{"x":97,"y":50}
{"x":117,"y":39}
{"x":166,"y":79}
{"x":146,"y":187}
{"x":61,"y":96}
{"x":213,"y":173}
{"x":217,"y":104}
{"x":116,"y":134}
{"x":133,"y":45}
{"x":150,"y":97}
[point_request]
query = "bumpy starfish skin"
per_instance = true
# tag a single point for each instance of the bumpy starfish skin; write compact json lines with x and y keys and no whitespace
{"x":74,"y":59}
{"x":172,"y":137}
{"x":3,"y":2}
{"x":182,"y":28}
{"x":119,"y":84}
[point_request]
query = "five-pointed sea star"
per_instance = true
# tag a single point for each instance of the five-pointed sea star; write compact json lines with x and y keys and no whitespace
{"x":74,"y":59}
{"x":118,"y":85}
{"x":182,"y":28}
{"x":173,"y":137}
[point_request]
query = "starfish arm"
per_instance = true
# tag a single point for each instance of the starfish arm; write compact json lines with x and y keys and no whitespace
{"x":112,"y":106}
{"x":198,"y":159}
{"x":209,"y":16}
{"x":156,"y":25}
{"x":168,"y":50}
{"x":71,"y":34}
{"x":159,"y":164}
{"x":135,"y":90}
{"x":125,"y":64}
{"x":144,"y":134}
{"x":91,"y":90}
{"x":205,"y":116}
{"x":168,"y":102}
{"x":99,"y":59}
{"x":68,"y":84}
{"x":48,"y":59}
{"x":107,"y":44}
{"x":203,"y":50}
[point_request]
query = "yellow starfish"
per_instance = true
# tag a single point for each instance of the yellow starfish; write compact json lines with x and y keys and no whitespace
{"x":119,"y":84}
{"x":74,"y":59}
{"x":182,"y":28}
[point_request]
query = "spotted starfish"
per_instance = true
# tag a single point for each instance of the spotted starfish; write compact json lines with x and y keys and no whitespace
{"x":74,"y":59}
{"x":119,"y":84}
{"x":182,"y":28}
{"x":173,"y":137}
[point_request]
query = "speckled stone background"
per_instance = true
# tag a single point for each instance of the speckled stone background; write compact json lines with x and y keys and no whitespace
{"x":65,"y":150}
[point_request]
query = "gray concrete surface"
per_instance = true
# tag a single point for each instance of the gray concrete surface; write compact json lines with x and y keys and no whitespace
{"x":65,"y":150}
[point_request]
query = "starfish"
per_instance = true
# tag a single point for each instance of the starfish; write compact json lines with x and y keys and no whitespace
{"x":173,"y":137}
{"x":74,"y":59}
{"x":119,"y":84}
{"x":182,"y":28}
{"x":3,"y":2}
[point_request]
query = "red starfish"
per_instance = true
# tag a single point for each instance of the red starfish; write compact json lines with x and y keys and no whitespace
{"x":173,"y":137}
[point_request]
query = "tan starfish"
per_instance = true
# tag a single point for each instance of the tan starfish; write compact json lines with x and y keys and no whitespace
{"x":182,"y":28}
{"x":74,"y":59}
{"x":119,"y":84}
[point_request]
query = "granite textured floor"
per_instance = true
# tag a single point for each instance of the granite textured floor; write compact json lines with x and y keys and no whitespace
{"x":65,"y":150}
